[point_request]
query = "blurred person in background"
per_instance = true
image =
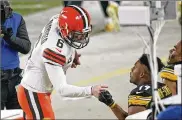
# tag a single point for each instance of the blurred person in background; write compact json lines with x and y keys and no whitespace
{"x":179,"y":4}
{"x":14,"y":38}
{"x":167,"y":73}
{"x":49,"y":61}
{"x":110,"y":9}
{"x":77,"y":3}
{"x":173,"y":112}
{"x":140,"y":98}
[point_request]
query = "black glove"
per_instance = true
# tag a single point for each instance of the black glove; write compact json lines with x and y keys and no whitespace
{"x":8,"y":33}
{"x":106,"y":98}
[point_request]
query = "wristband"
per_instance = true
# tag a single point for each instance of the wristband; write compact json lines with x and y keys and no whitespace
{"x":113,"y":105}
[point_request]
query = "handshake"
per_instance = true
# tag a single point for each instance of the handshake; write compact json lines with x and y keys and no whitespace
{"x":106,"y":98}
{"x":6,"y":33}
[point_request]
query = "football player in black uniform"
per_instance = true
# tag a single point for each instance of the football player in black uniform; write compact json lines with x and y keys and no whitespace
{"x":140,"y":97}
{"x":167,"y":73}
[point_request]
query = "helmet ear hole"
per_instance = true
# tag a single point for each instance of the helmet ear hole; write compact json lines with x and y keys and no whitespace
{"x":63,"y":29}
{"x":70,"y":35}
{"x":63,"y":33}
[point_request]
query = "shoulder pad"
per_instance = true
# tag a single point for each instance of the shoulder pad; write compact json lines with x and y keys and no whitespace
{"x":54,"y":17}
{"x":168,"y":73}
{"x":143,"y":90}
{"x":140,"y":96}
{"x":171,"y":66}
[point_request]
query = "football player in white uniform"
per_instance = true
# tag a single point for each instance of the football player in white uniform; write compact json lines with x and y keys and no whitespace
{"x":52,"y":55}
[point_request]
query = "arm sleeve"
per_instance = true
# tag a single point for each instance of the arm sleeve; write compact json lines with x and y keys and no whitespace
{"x":21,"y":41}
{"x":58,"y":78}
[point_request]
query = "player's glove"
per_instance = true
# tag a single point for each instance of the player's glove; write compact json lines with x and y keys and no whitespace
{"x":8,"y":33}
{"x":106,"y":98}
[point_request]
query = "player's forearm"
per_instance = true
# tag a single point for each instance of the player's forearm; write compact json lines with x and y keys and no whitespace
{"x":58,"y":79}
{"x":74,"y":91}
{"x":119,"y":112}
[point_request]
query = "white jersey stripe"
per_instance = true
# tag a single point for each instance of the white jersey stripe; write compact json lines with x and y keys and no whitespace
{"x":83,"y":13}
{"x":34,"y":105}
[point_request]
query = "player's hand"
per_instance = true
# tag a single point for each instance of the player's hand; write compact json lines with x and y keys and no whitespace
{"x":1,"y":35}
{"x":97,"y":89}
{"x":1,"y":32}
{"x":76,"y":60}
{"x":106,"y":98}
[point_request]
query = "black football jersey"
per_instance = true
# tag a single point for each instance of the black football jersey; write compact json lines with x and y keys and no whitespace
{"x":142,"y":94}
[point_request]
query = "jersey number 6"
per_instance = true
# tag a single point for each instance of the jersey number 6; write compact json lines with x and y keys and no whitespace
{"x":60,"y":43}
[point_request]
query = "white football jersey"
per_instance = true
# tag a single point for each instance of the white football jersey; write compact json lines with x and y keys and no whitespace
{"x":49,"y":49}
